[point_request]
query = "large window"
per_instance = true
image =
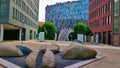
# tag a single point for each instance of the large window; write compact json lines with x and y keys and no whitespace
{"x":107,"y":20}
{"x":13,"y":12}
{"x":0,"y":5}
{"x":109,"y":6}
{"x":116,"y":13}
{"x":110,"y":19}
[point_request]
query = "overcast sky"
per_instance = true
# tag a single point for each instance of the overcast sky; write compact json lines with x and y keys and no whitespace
{"x":44,"y":3}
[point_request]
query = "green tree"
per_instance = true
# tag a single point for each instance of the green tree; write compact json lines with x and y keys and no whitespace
{"x":40,"y":28}
{"x":50,"y":30}
{"x":88,"y":31}
{"x":81,"y":28}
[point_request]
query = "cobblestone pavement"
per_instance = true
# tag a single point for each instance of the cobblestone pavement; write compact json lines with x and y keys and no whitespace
{"x":111,"y":54}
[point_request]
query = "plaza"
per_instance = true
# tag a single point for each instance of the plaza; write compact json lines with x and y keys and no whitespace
{"x":110,"y":54}
{"x":56,"y":42}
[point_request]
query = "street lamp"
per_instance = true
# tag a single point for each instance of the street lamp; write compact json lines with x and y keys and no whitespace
{"x":22,"y":34}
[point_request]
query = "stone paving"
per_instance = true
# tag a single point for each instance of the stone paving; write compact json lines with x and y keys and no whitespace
{"x":111,"y":57}
{"x":111,"y":54}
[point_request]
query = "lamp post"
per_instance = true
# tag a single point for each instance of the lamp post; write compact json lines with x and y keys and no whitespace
{"x":22,"y":34}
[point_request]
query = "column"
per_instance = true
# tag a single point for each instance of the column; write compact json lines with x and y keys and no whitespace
{"x":1,"y":32}
{"x":20,"y":34}
{"x":97,"y":38}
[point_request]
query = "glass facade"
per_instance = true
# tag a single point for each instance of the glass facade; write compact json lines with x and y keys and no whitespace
{"x":65,"y":15}
{"x":116,"y":14}
{"x":115,"y":23}
{"x":4,"y":11}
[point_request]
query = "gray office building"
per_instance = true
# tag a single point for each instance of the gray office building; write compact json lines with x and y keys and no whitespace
{"x":18,"y":19}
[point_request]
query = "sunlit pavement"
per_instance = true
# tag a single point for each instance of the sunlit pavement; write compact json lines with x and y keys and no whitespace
{"x":104,"y":47}
{"x":64,"y":43}
{"x":111,"y":54}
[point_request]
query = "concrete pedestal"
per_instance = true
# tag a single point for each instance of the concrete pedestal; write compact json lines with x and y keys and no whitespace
{"x":92,"y":39}
{"x":42,"y":36}
{"x":80,"y":37}
{"x":97,"y":39}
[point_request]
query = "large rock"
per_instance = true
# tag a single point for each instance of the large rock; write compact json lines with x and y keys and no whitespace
{"x":43,"y":48}
{"x":48,"y":60}
{"x":78,"y":51}
{"x":72,"y":45}
{"x":54,"y":48}
{"x":25,"y":50}
{"x":34,"y":60}
{"x":9,"y":51}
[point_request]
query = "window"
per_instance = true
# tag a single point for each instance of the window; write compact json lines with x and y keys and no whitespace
{"x":20,"y":17}
{"x":0,"y":4}
{"x":110,"y":20}
{"x":13,"y":12}
{"x":107,"y":20}
{"x":104,"y":8}
{"x":110,"y":6}
{"x":16,"y":14}
{"x":30,"y":34}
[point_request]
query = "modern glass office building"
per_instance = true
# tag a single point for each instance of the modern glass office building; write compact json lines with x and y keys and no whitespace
{"x":65,"y":15}
{"x":18,"y":19}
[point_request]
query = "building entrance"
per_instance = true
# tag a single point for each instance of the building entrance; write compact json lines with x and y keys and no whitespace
{"x":104,"y":37}
{"x":109,"y":37}
{"x":11,"y":34}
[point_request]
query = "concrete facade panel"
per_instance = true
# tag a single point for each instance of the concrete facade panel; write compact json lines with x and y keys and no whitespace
{"x":4,"y":11}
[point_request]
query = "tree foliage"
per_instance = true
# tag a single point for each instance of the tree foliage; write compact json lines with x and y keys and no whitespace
{"x":81,"y":28}
{"x":88,"y":31}
{"x":41,"y":29}
{"x":49,"y":29}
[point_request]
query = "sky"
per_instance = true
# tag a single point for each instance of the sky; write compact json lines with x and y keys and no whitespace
{"x":44,"y":3}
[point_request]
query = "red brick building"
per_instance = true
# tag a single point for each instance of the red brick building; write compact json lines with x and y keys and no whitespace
{"x":101,"y":18}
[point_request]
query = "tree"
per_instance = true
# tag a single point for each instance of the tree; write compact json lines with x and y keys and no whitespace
{"x":81,"y":28}
{"x":88,"y":31}
{"x":40,"y":28}
{"x":50,"y":30}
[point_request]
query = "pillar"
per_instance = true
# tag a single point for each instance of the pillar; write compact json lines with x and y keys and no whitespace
{"x":1,"y":32}
{"x":20,"y":34}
